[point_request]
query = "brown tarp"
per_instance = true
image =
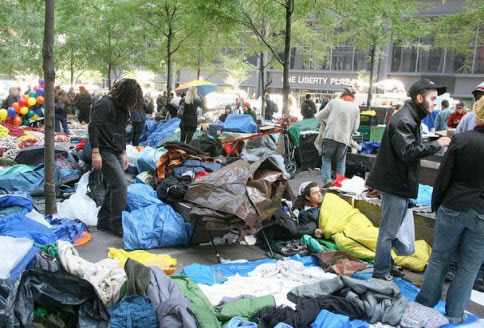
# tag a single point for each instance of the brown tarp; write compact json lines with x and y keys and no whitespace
{"x":250,"y":192}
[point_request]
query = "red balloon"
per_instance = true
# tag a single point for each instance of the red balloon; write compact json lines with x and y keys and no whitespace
{"x":22,"y":102}
{"x":17,"y":121}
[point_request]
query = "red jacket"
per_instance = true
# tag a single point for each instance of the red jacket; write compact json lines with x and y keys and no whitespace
{"x":454,"y":119}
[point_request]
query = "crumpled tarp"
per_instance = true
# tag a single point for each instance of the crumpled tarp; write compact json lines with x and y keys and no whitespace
{"x":355,"y":234}
{"x":424,"y":197}
{"x":59,"y":291}
{"x":326,"y":319}
{"x":163,"y":130}
{"x":33,"y":181}
{"x":16,"y":169}
{"x":14,"y":250}
{"x":148,"y":158}
{"x":240,"y":123}
{"x":141,"y":195}
{"x":249,"y":192}
{"x":155,"y":226}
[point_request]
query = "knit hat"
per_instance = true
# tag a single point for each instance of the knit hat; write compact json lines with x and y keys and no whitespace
{"x":479,"y":110}
{"x":478,"y":88}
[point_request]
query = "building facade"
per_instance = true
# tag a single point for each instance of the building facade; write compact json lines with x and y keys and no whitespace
{"x":344,"y":64}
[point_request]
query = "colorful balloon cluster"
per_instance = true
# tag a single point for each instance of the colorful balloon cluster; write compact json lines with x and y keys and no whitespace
{"x":29,"y":108}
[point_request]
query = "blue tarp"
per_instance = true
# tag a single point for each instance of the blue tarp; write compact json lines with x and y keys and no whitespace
{"x":14,"y":223}
{"x":155,"y":226}
{"x":148,"y":158}
{"x":133,"y":312}
{"x":150,"y":127}
{"x":218,"y":273}
{"x":162,"y":131}
{"x":141,"y":195}
{"x":67,"y":229}
{"x":240,"y":123}
{"x":34,"y":180}
{"x":326,"y":319}
{"x":239,"y":322}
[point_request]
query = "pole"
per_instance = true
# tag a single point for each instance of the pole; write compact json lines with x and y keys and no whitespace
{"x":372,"y":68}
{"x":49,"y":79}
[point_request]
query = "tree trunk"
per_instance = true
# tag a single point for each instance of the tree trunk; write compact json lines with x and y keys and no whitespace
{"x":168,"y":60}
{"x":72,"y":69}
{"x":262,"y":90}
{"x":49,"y":79}
{"x":372,"y":70}
{"x":199,"y":63}
{"x":287,"y":57}
{"x":110,"y":71}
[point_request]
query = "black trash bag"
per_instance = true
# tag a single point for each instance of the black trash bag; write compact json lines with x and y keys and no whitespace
{"x":172,"y":189}
{"x":96,"y":189}
{"x":58,"y":292}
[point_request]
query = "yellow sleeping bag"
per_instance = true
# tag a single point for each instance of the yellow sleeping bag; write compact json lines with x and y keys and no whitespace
{"x":355,"y":234}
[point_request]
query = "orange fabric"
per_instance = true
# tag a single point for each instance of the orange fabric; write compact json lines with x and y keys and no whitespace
{"x":83,"y":239}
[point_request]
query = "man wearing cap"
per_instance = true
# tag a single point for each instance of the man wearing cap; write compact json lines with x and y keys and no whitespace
{"x":395,"y":173}
{"x":458,"y":198}
{"x":468,"y":122}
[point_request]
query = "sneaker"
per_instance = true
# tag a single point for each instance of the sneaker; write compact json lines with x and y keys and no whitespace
{"x":386,"y":277}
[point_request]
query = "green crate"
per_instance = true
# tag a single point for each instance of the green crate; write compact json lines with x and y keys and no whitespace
{"x":371,"y":133}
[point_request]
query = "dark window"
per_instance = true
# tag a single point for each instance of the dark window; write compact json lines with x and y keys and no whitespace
{"x":459,"y":63}
{"x":404,"y":59}
{"x":362,"y":60}
{"x":431,"y":60}
{"x":342,"y":58}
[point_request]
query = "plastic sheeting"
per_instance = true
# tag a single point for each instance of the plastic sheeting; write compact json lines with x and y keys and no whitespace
{"x":79,"y":205}
{"x":326,"y":319}
{"x":148,"y":158}
{"x":240,"y":123}
{"x":250,"y":192}
{"x":141,"y":195}
{"x":13,"y":252}
{"x":33,"y":181}
{"x":75,"y":298}
{"x":161,"y":132}
{"x":155,"y":226}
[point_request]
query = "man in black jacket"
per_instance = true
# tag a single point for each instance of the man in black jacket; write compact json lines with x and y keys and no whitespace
{"x":308,"y":108}
{"x":395,"y":173}
{"x":107,"y":137}
{"x":458,"y":198}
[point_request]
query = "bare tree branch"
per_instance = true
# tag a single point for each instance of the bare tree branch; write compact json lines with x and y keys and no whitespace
{"x":250,"y":23}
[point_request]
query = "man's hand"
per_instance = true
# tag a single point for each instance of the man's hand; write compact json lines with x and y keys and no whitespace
{"x":444,"y":141}
{"x":124,"y":161}
{"x":97,"y":161}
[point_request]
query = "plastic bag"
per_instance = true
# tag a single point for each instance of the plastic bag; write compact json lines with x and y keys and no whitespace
{"x":79,"y":205}
{"x":405,"y":243}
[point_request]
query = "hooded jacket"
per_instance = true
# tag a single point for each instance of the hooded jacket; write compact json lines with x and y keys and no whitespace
{"x":398,"y":161}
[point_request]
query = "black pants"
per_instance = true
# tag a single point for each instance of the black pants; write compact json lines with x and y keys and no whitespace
{"x":61,"y":121}
{"x":137,"y":132}
{"x":186,"y":136}
{"x":116,"y":190}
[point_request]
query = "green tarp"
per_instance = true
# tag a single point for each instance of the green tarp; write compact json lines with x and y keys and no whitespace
{"x":295,"y":130}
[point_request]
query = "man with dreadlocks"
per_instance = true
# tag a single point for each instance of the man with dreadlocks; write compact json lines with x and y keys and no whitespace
{"x":107,"y":136}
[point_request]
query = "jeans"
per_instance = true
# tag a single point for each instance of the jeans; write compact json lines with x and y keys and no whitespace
{"x":454,"y":231}
{"x":61,"y":121}
{"x":137,"y":132}
{"x":393,"y":210}
{"x":333,"y":151}
{"x":186,"y":136}
{"x":116,"y":189}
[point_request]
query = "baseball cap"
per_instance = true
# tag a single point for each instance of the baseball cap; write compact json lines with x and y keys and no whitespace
{"x":425,"y":84}
{"x":478,"y":88}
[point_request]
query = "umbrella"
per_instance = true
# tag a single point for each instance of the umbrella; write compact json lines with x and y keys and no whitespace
{"x":203,"y":87}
